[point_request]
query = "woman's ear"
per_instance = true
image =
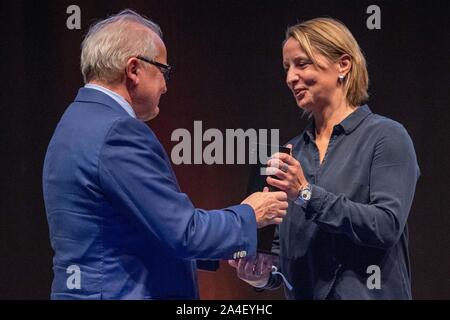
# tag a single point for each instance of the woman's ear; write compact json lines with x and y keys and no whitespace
{"x":345,"y":63}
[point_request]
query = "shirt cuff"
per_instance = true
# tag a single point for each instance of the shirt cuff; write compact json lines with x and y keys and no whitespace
{"x":275,"y":281}
{"x":318,"y":197}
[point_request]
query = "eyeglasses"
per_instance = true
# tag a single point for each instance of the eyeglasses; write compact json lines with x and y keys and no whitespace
{"x":164,"y":68}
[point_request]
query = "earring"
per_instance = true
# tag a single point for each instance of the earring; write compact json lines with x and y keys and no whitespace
{"x":341,"y":77}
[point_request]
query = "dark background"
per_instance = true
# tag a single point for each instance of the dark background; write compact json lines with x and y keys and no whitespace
{"x":228,"y":73}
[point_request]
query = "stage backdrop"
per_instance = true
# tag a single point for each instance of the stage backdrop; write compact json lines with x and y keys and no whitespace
{"x":227,"y":74}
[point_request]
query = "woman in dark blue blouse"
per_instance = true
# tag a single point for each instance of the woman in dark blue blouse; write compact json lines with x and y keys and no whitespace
{"x":350,"y":180}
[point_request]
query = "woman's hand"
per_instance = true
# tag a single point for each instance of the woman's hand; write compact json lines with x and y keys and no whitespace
{"x":255,"y":271}
{"x":289,"y":171}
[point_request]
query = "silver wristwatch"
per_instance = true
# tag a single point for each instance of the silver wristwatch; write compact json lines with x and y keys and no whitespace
{"x":304,"y":195}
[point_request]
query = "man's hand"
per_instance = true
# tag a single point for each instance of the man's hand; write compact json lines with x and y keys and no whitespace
{"x":290,"y":174}
{"x":255,"y":271}
{"x":269,"y":207}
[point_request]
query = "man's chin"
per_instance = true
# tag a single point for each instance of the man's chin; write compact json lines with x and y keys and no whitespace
{"x":151,"y":115}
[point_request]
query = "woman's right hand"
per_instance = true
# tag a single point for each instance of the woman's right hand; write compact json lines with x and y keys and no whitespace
{"x":255,"y":271}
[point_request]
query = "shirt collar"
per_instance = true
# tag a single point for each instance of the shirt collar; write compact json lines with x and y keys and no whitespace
{"x":118,"y":98}
{"x":355,"y":118}
{"x":348,"y":125}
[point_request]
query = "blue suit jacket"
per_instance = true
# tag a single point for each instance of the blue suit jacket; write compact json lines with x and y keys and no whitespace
{"x":116,"y":213}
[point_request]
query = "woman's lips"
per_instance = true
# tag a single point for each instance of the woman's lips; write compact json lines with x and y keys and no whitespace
{"x":299,"y":93}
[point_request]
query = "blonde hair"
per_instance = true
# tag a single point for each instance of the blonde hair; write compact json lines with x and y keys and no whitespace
{"x":111,"y":42}
{"x":332,"y":39}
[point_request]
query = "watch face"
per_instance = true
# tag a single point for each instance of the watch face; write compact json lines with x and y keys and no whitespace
{"x":306,"y":194}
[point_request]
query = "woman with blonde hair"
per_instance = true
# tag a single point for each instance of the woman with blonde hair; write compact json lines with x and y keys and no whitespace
{"x":350,"y":179}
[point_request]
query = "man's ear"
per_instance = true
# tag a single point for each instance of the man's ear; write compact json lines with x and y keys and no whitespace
{"x":345,"y":63}
{"x":132,"y":69}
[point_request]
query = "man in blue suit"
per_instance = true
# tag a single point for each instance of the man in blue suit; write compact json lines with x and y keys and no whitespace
{"x":119,"y":225}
